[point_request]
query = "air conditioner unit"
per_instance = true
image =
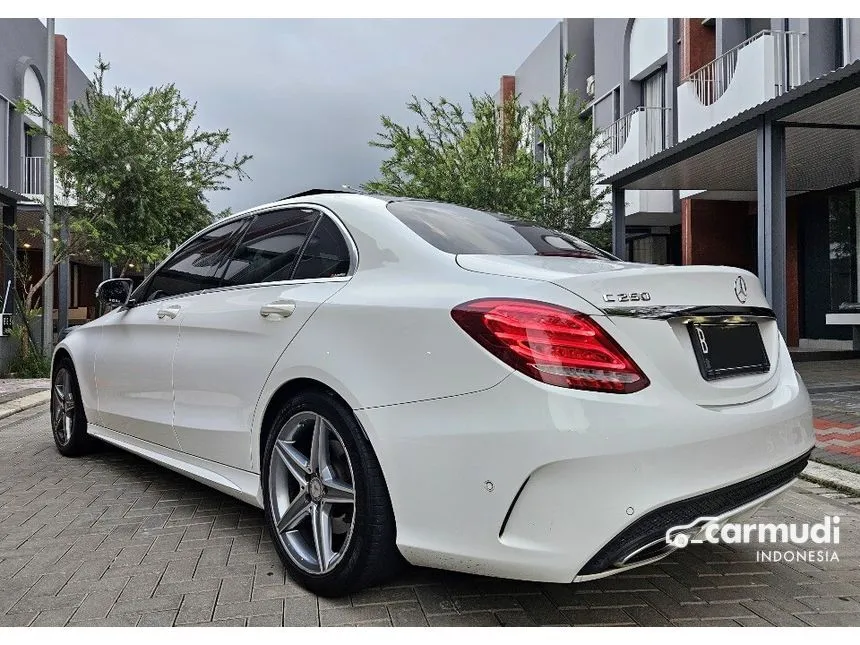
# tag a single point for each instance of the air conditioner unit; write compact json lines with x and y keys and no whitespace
{"x":589,"y":85}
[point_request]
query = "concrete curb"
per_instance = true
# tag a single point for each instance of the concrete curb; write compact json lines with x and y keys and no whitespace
{"x":832,"y":477}
{"x":24,"y":403}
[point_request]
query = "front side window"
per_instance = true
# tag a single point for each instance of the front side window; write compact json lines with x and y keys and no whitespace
{"x":456,"y":229}
{"x":195,"y":266}
{"x":270,"y":247}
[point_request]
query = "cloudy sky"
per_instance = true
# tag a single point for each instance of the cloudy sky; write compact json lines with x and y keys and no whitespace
{"x":304,"y":96}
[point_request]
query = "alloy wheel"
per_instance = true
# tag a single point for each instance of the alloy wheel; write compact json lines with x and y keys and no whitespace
{"x":62,"y":406}
{"x":312,"y":492}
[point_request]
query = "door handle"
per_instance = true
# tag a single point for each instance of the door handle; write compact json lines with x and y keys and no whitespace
{"x":278,"y":309}
{"x":170,"y":311}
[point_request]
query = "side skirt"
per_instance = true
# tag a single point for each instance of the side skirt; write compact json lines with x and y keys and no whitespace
{"x":241,"y":484}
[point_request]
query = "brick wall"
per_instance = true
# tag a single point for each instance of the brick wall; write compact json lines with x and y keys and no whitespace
{"x":698,"y":45}
{"x":718,"y":232}
{"x":61,"y":102}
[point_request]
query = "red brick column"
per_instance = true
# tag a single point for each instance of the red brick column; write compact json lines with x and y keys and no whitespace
{"x":61,"y":102}
{"x":698,"y":47}
{"x":507,"y":87}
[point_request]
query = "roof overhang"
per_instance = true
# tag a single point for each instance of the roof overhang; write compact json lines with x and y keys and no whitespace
{"x":822,"y":135}
{"x":10,"y":197}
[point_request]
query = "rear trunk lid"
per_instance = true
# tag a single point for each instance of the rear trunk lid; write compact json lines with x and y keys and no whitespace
{"x":650,"y":310}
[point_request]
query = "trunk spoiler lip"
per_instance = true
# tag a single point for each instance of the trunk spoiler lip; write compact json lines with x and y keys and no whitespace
{"x":668,"y":312}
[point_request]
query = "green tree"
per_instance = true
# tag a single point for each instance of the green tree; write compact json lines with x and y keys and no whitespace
{"x":451,"y":158}
{"x":134,"y":171}
{"x":570,"y":152}
{"x":536,"y":162}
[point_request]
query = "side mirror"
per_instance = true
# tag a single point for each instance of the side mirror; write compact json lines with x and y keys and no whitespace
{"x":114,"y":292}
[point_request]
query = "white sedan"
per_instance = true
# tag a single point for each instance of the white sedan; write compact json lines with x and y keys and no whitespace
{"x":395,"y":378}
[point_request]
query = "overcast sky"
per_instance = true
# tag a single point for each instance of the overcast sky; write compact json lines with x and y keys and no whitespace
{"x":304,"y":96}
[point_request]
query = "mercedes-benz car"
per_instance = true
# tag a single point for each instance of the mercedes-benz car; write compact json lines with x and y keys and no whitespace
{"x":392,"y":378}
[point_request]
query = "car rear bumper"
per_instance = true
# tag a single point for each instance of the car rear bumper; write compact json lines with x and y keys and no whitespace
{"x":644,"y":540}
{"x":534,"y":482}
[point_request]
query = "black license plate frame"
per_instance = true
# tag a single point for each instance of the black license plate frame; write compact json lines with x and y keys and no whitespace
{"x":727,"y":349}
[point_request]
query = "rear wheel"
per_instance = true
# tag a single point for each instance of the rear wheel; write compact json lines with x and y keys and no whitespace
{"x":327,"y":506}
{"x":68,"y":421}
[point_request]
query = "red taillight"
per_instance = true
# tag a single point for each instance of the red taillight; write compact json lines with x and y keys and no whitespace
{"x":551,"y":344}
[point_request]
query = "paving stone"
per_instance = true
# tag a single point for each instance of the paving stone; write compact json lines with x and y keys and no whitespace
{"x":53,"y":617}
{"x":236,"y":589}
{"x":831,"y":619}
{"x":197,"y":607}
{"x":407,"y":614}
{"x":301,"y":611}
{"x":484,"y":619}
{"x":583,"y":617}
{"x":383,"y":595}
{"x":435,"y":600}
{"x":274,"y":620}
{"x":158,"y":619}
{"x":246,"y":609}
{"x":352,"y":615}
{"x":515,"y":618}
{"x":231,"y":622}
{"x":146,"y":605}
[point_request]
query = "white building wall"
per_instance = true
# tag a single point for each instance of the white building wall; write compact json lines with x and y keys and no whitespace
{"x":753,"y":83}
{"x":649,"y":45}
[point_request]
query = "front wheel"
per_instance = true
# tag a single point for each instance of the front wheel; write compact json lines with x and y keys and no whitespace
{"x":68,"y":421}
{"x":327,"y":505}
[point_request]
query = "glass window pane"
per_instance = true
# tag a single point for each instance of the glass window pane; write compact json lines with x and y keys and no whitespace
{"x":269,"y":249}
{"x":456,"y":229}
{"x":843,"y":248}
{"x":195,"y":266}
{"x":326,"y":254}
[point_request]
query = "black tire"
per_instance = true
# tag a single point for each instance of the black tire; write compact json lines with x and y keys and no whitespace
{"x":371,"y":554}
{"x":72,"y":439}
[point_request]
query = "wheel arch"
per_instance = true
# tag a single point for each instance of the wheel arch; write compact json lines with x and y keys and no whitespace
{"x":284,"y":393}
{"x":62,"y":353}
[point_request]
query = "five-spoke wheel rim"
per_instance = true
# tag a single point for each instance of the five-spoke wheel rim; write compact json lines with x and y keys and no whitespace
{"x":312,"y":492}
{"x":62,"y":406}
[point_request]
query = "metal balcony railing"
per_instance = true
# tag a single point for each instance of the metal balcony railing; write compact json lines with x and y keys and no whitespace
{"x":712,"y":80}
{"x":653,"y":119}
{"x":34,"y":171}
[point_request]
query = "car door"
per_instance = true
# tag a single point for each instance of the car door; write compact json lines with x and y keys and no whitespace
{"x":134,"y":359}
{"x":288,"y":263}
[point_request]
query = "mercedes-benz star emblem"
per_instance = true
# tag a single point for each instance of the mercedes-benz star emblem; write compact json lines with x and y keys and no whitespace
{"x":741,"y":289}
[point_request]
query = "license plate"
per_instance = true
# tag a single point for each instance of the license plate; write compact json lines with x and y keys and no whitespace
{"x":728,"y":349}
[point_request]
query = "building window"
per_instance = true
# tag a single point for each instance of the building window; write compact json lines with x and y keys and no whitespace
{"x":654,"y":103}
{"x":842,"y":220}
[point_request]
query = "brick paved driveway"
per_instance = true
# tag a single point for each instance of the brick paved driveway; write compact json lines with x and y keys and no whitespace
{"x":113,"y":540}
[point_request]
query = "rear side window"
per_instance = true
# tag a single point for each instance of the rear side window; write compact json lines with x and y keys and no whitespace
{"x":326,"y":254}
{"x":270,"y":247}
{"x":195,"y":266}
{"x":456,"y":229}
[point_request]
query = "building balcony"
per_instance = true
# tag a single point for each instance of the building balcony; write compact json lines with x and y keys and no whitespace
{"x":759,"y":69}
{"x":33,"y":177}
{"x":637,"y":135}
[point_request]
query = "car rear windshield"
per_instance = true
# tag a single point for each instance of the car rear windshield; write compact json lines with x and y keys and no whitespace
{"x":456,"y":229}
